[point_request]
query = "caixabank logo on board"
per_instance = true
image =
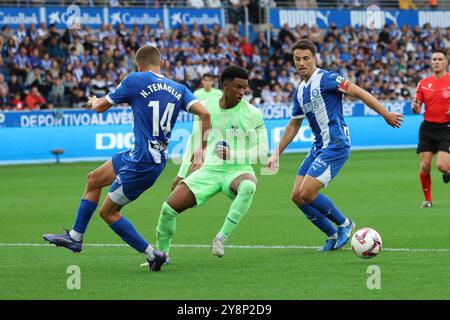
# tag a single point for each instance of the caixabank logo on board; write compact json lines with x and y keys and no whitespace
{"x":65,"y":17}
{"x":190,"y":17}
{"x":131,"y":17}
{"x":14,"y":17}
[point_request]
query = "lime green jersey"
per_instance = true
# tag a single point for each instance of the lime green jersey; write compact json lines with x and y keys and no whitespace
{"x":202,"y":94}
{"x":241,"y":128}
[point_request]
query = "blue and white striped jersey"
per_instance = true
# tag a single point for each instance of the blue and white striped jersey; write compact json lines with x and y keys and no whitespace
{"x":320,"y":100}
{"x":156,"y":102}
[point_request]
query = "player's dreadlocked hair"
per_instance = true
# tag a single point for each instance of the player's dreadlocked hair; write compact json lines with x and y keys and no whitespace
{"x":231,"y":72}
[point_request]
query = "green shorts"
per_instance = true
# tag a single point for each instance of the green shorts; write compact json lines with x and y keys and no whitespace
{"x":209,"y":180}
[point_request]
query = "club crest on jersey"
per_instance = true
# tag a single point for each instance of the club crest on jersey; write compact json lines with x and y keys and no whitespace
{"x":446,"y":94}
{"x":234,"y":130}
{"x":315,"y":93}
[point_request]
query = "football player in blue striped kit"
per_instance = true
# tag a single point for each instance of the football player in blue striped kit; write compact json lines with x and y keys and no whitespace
{"x":156,"y":102}
{"x":319,"y":98}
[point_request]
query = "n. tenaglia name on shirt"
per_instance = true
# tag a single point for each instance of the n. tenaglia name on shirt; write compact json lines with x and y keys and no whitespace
{"x":160,"y":86}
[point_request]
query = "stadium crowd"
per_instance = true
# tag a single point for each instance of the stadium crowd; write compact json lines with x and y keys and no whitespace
{"x":43,"y":68}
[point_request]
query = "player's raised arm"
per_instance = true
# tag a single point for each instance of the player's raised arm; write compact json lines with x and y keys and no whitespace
{"x":393,"y":119}
{"x":198,"y":109}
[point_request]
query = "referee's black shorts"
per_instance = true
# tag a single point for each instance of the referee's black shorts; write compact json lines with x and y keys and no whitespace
{"x":434,"y":137}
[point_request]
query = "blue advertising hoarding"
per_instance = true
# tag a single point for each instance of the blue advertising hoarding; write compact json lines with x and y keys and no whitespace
{"x":192,"y":16}
{"x":63,"y":17}
{"x":12,"y":17}
{"x":172,"y":17}
{"x":130,"y":16}
{"x":100,"y":142}
{"x":123,"y":115}
{"x":370,"y":18}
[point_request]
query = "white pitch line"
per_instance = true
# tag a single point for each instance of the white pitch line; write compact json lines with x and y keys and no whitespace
{"x":227,"y":246}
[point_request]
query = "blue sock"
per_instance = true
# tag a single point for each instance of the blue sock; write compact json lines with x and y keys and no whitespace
{"x":318,"y":219}
{"x":328,"y":209}
{"x":84,"y":214}
{"x":129,"y":234}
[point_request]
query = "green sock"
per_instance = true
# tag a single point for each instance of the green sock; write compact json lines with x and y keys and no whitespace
{"x":166,"y":227}
{"x":239,"y":207}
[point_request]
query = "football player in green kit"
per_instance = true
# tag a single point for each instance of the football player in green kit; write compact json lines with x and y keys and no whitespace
{"x":237,"y":139}
{"x":206,"y":92}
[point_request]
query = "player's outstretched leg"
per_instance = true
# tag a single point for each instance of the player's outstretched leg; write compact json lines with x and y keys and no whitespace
{"x":179,"y":200}
{"x":328,"y":209}
{"x":322,"y":223}
{"x":96,"y":180}
{"x":110,"y":212}
{"x":312,"y":213}
{"x":239,"y":207}
{"x":166,"y":228}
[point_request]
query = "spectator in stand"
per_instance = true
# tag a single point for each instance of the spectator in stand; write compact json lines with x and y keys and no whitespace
{"x":16,"y":102}
{"x":247,"y":48}
{"x":34,"y":99}
{"x":98,"y":86}
{"x":77,"y":99}
{"x":434,"y":4}
{"x":236,"y":11}
{"x":89,"y":69}
{"x":14,"y":85}
{"x":204,"y":68}
{"x":54,"y":49}
{"x":110,"y":52}
{"x":22,"y":64}
{"x":56,"y":94}
{"x":35,"y":78}
{"x":285,"y":32}
{"x":21,"y":33}
{"x":4,"y":93}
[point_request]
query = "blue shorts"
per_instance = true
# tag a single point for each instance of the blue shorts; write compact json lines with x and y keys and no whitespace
{"x":132,"y":180}
{"x":323,"y":164}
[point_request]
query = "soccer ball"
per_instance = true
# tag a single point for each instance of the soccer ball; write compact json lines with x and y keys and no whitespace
{"x":366,"y":243}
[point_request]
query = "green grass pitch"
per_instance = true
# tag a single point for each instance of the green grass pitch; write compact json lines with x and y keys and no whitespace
{"x":379,"y":189}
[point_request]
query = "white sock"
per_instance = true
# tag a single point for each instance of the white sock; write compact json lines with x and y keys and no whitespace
{"x":334,"y":236}
{"x":149,"y":253}
{"x":346,"y":223}
{"x":75,"y":235}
